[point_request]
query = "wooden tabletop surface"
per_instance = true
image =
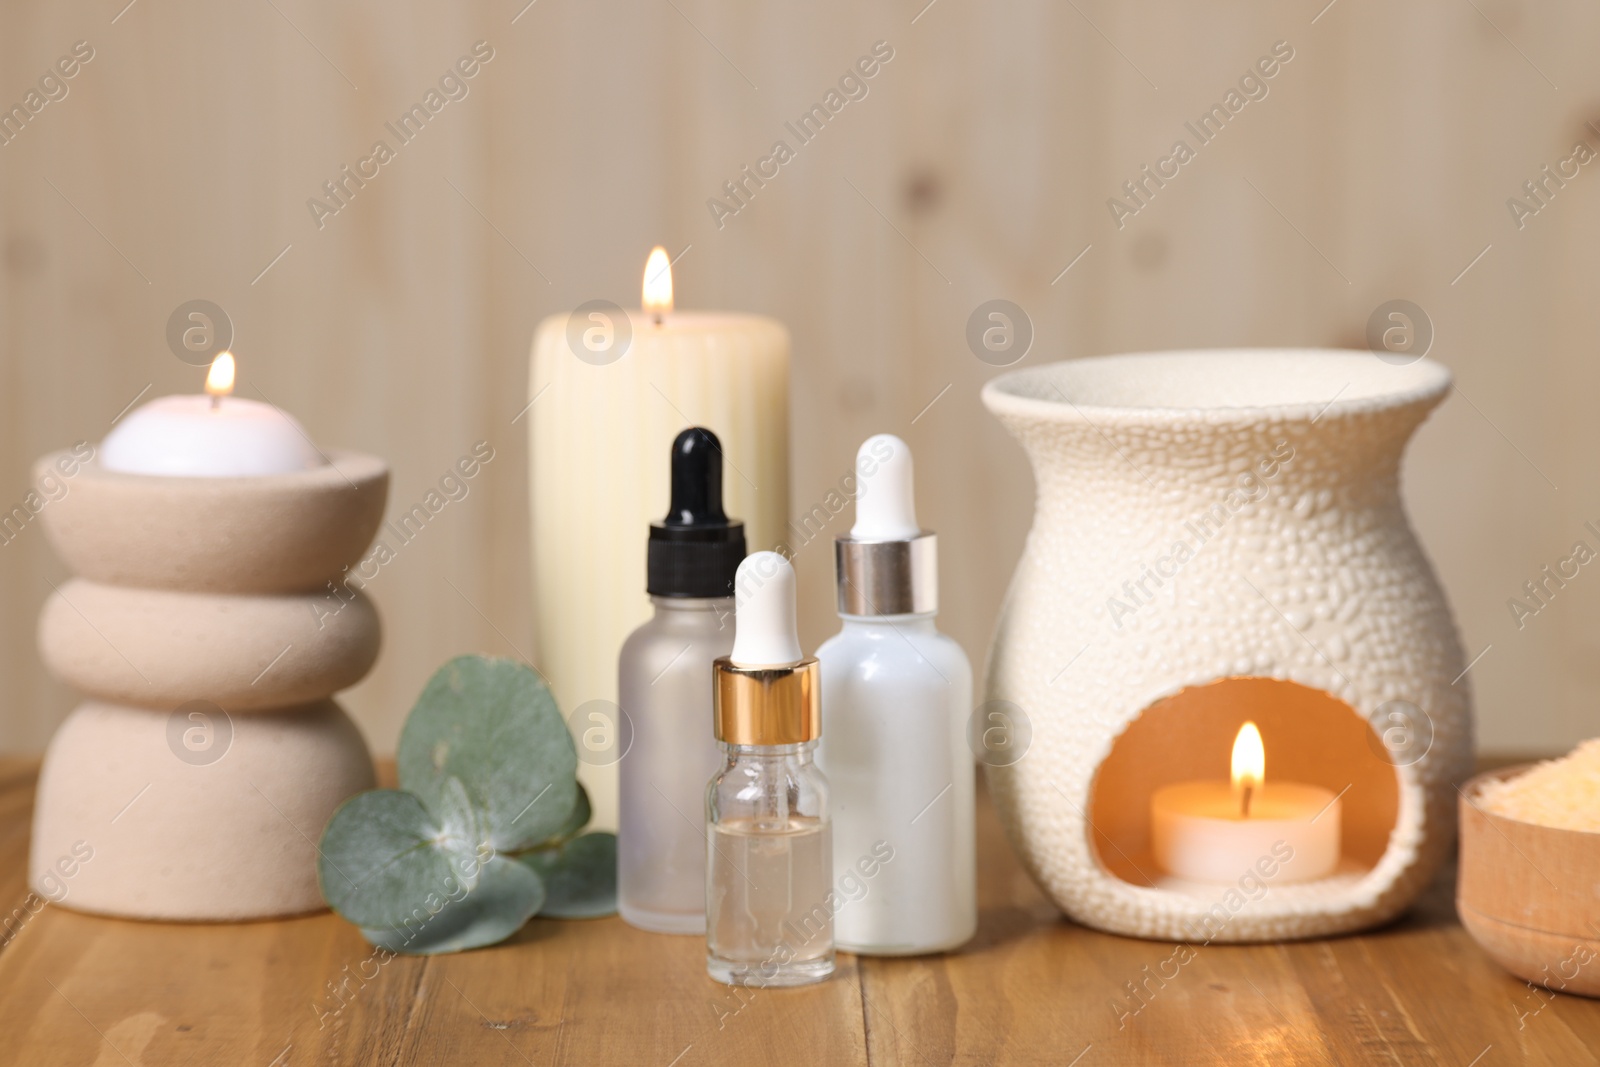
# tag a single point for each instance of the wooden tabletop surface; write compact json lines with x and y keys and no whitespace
{"x":1031,"y":988}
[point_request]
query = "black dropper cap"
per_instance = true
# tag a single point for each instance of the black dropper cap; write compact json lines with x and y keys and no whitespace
{"x":696,"y":550}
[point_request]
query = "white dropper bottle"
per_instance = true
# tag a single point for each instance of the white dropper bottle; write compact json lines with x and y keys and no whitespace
{"x":897,"y":695}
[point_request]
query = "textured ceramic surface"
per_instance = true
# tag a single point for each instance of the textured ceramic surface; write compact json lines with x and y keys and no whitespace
{"x":209,"y":758}
{"x":228,"y":833}
{"x":271,"y":534}
{"x":1530,"y":894}
{"x":1279,"y":469}
{"x":156,"y":649}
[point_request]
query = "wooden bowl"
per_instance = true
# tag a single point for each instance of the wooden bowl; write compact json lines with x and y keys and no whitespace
{"x":1530,"y":894}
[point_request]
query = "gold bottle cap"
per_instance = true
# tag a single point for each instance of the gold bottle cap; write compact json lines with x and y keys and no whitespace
{"x":767,"y":705}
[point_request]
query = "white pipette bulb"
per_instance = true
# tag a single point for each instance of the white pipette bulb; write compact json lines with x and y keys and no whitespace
{"x":886,"y":508}
{"x":765,"y":632}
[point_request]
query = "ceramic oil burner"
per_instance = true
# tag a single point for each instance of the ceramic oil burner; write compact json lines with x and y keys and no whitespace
{"x":1219,"y":538}
{"x":203,"y":629}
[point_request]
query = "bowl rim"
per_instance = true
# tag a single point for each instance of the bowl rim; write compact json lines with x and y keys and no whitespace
{"x":344,"y":469}
{"x":1421,"y":382}
{"x":1472,"y":786}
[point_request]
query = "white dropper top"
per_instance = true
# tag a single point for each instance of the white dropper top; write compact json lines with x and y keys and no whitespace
{"x":765,"y":633}
{"x":885,"y":508}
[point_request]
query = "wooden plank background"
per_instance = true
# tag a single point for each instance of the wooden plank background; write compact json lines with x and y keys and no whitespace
{"x":180,"y":162}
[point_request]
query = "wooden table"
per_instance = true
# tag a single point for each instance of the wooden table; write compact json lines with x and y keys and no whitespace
{"x":1032,"y":988}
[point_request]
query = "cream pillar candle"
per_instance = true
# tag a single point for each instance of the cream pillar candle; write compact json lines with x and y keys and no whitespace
{"x":608,"y":392}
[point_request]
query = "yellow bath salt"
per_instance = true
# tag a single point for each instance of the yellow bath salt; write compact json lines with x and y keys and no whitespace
{"x":1564,"y":793}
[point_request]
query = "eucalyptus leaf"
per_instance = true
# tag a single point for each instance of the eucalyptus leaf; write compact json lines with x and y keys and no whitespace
{"x":506,"y":896}
{"x":383,"y":856}
{"x":581,"y":814}
{"x":580,"y":877}
{"x":459,"y":818}
{"x":493,"y":724}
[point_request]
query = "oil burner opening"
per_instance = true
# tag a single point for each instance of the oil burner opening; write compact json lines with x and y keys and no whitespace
{"x":1308,"y":737}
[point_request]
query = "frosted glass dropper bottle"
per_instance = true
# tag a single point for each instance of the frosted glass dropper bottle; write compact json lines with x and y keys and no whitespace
{"x":769,"y":899}
{"x":897,"y":695}
{"x":664,"y":680}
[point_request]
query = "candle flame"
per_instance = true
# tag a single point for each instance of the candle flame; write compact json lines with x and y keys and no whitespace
{"x":658,"y":282}
{"x":219,"y":379}
{"x":1249,"y":758}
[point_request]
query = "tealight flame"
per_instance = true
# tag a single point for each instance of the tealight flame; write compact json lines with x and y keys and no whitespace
{"x":219,"y":379}
{"x":1249,"y":765}
{"x":658,"y":283}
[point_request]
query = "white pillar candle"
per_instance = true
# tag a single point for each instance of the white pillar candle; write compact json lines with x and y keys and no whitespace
{"x":598,"y":427}
{"x":1214,"y":831}
{"x":215,"y":436}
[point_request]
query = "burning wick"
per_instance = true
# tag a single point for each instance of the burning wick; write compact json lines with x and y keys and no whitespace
{"x":1249,"y":765}
{"x":219,"y":379}
{"x":658,"y":284}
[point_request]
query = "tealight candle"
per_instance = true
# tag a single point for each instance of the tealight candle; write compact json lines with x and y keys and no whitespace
{"x":212,"y":436}
{"x":1213,"y":831}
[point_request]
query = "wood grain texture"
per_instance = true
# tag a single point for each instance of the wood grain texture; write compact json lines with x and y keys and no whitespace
{"x":1030,"y":989}
{"x":978,"y":166}
{"x":1530,"y":894}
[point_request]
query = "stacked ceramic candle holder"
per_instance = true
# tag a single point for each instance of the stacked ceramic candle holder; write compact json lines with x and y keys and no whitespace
{"x":202,"y":629}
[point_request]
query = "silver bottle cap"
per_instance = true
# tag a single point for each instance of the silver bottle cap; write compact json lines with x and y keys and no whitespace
{"x":888,"y":577}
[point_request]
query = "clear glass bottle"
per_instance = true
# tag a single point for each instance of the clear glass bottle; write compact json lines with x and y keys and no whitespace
{"x":664,"y":684}
{"x":769,"y":868}
{"x":769,"y":855}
